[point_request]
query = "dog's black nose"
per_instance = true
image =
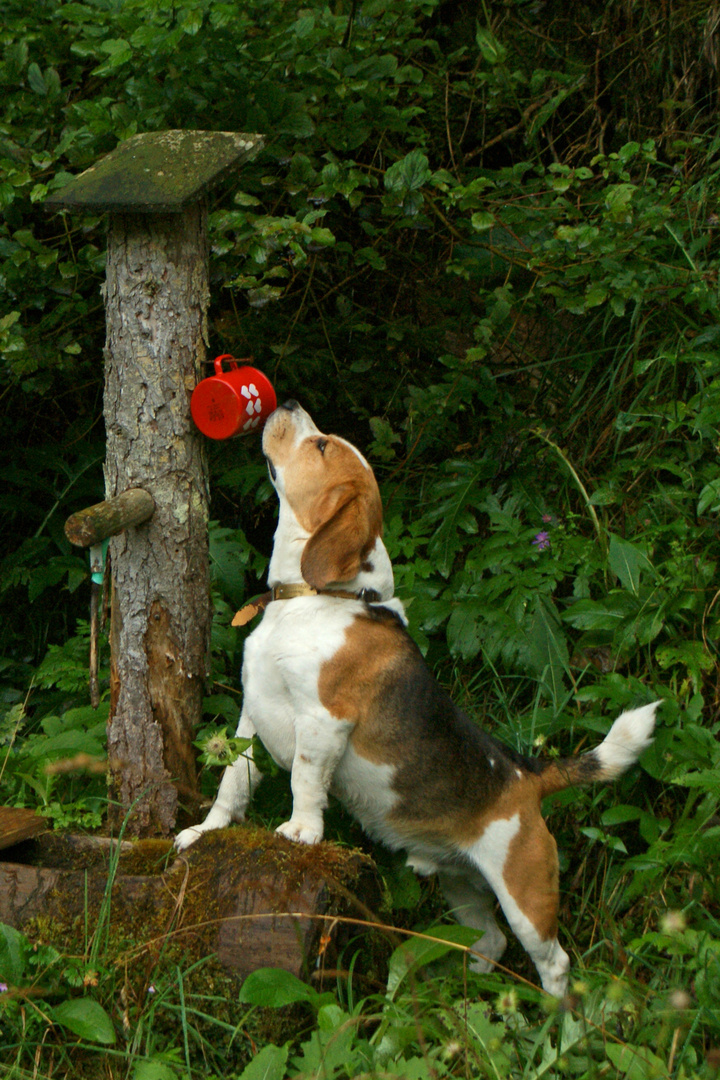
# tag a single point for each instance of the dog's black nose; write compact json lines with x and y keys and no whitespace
{"x":290,"y":405}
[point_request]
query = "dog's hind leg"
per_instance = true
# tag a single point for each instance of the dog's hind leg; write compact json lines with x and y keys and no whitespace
{"x":471,"y":902}
{"x":236,"y":787}
{"x":518,"y":858}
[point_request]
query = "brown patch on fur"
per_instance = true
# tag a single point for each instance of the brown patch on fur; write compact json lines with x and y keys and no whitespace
{"x":531,"y":873}
{"x":531,"y":870}
{"x":348,"y":685}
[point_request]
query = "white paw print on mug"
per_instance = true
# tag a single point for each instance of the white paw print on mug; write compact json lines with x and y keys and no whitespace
{"x":253,"y":406}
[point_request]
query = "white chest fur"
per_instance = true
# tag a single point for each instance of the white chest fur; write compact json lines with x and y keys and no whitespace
{"x":281,"y":668}
{"x":281,"y":671}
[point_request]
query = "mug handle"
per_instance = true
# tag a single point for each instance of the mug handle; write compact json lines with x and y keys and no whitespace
{"x":219,"y":359}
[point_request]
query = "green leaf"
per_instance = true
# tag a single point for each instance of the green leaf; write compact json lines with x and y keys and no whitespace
{"x":9,"y":320}
{"x":599,"y":614}
{"x":490,"y":47}
{"x":13,"y":950}
{"x":52,"y":82}
{"x":482,"y":220}
{"x":86,"y":1018}
{"x":119,"y":51}
{"x":709,"y":501}
{"x":618,"y":198}
{"x":614,"y":843}
{"x":408,"y":174}
{"x":419,"y":951}
{"x":548,"y":648}
{"x":627,"y":561}
{"x":35,"y":78}
{"x":692,"y":654}
{"x":269,"y":1064}
{"x":596,"y":294}
{"x":77,"y":13}
{"x":378,"y":67}
{"x":154,"y":1070}
{"x":191,"y":21}
{"x":547,"y":110}
{"x":241,"y":198}
{"x":618,"y":815}
{"x":402,"y":887}
{"x":329,"y":1047}
{"x":706,"y":779}
{"x":304,"y":25}
{"x":274,"y":987}
{"x":466,"y":632}
{"x":635,"y":1062}
{"x":323,"y":237}
{"x":370,"y":256}
{"x":224,"y":705}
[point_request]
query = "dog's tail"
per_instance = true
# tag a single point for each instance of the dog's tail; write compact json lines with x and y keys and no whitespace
{"x":622,"y":746}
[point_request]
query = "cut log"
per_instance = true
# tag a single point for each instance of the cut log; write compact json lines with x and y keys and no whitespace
{"x":18,"y":824}
{"x":245,"y":894}
{"x":104,"y":519}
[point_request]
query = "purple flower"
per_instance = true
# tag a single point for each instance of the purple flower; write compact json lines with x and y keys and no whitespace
{"x":547,"y":518}
{"x":3,"y":988}
{"x":542,"y":541}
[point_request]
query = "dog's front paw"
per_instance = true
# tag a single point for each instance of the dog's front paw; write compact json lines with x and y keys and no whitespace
{"x":302,"y":832}
{"x":218,"y":818}
{"x":184,"y":839}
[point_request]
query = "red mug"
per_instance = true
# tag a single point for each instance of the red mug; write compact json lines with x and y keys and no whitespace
{"x":233,"y":402}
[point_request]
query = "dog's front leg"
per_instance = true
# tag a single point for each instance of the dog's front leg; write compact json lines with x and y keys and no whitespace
{"x":320,"y":742}
{"x":236,"y":787}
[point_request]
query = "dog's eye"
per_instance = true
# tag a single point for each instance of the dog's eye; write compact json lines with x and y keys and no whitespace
{"x":321,"y":444}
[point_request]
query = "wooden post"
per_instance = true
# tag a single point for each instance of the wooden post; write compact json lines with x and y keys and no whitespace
{"x":156,"y":299}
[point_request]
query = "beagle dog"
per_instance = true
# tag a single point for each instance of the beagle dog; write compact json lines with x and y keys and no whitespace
{"x":340,"y":696}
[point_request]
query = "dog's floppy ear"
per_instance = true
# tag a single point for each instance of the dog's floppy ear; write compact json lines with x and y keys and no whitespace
{"x":337,"y":549}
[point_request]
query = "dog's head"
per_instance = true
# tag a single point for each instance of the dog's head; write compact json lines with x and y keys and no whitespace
{"x":330,"y":489}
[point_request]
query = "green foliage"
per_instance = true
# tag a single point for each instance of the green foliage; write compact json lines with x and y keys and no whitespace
{"x":31,"y":977}
{"x":52,"y":743}
{"x":420,"y":1027}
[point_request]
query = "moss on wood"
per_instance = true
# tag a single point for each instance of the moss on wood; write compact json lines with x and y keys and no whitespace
{"x":245,"y":895}
{"x":157,"y":172}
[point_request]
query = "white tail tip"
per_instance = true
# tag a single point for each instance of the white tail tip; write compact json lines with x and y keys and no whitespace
{"x":627,"y":738}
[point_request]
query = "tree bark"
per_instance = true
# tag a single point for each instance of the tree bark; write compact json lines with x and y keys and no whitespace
{"x":157,"y":299}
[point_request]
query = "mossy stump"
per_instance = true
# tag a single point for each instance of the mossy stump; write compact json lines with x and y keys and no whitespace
{"x":245,"y":895}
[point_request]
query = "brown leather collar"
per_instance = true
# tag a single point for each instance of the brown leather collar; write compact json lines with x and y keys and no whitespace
{"x":301,"y":588}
